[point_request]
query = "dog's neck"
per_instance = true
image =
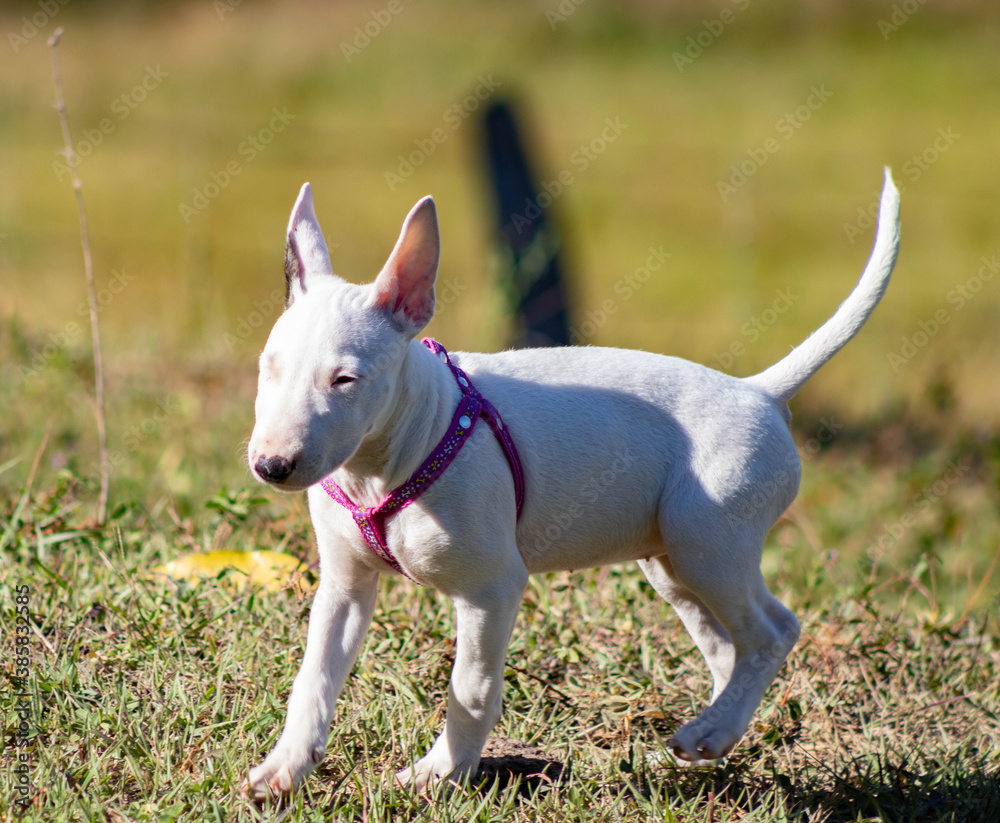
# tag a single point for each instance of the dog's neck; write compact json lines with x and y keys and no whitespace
{"x":425,"y":397}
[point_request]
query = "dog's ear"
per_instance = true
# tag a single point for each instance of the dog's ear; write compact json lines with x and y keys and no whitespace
{"x":306,"y":255}
{"x":405,"y":286}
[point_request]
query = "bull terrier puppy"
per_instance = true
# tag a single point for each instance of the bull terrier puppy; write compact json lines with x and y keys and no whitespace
{"x":380,"y":429}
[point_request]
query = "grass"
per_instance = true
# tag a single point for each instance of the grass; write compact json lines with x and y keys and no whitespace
{"x":151,"y":698}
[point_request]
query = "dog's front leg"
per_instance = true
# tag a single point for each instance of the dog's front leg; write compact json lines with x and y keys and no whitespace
{"x":485,"y":621}
{"x":337,"y":624}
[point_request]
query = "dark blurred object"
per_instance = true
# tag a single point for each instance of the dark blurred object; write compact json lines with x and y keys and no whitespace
{"x":528,"y":240}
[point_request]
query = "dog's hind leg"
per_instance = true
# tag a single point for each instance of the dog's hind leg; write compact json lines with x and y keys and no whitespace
{"x":704,"y":627}
{"x":743,"y":631}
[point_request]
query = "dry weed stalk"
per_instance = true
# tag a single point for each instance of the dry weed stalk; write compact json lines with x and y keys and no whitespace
{"x":88,"y":264}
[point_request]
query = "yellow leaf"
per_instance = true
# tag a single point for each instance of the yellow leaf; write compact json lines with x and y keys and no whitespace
{"x":272,"y":570}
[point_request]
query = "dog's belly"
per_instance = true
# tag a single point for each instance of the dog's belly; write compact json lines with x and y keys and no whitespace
{"x":554,"y":551}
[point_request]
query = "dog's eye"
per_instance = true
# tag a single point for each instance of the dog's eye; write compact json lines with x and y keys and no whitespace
{"x":341,"y":379}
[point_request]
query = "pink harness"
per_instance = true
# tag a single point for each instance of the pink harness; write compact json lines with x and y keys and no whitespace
{"x":371,"y":520}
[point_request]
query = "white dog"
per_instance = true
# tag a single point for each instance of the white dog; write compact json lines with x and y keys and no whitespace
{"x":617,"y":455}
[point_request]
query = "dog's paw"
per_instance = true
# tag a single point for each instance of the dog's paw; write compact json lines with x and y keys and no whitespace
{"x":280,"y":773}
{"x":699,"y":744}
{"x":693,"y":764}
{"x":439,"y":764}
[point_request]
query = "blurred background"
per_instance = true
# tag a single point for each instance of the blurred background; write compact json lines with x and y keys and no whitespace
{"x":709,"y":173}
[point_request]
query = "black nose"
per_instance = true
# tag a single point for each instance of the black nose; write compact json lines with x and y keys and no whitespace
{"x":274,"y":469}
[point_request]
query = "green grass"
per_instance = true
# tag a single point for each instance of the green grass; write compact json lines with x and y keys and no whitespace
{"x":151,"y":699}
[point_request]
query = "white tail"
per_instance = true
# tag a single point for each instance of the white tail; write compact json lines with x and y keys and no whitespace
{"x":782,"y":380}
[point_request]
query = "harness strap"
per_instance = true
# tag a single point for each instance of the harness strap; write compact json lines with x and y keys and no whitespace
{"x":371,"y":520}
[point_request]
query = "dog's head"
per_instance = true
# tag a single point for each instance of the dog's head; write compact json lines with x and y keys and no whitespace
{"x":328,"y":371}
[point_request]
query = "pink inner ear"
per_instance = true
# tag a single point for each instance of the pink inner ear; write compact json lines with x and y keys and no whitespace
{"x":406,"y":283}
{"x":413,"y":297}
{"x":387,"y":294}
{"x":419,"y":309}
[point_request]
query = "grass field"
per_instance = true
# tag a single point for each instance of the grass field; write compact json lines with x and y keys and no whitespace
{"x":150,"y":699}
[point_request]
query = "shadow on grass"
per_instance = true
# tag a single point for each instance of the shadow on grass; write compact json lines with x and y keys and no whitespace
{"x":505,"y":762}
{"x":870,"y":788}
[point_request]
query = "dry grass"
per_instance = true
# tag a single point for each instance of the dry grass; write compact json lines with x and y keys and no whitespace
{"x":151,"y":699}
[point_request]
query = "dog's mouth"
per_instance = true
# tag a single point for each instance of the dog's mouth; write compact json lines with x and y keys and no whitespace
{"x":287,"y":488}
{"x":290,"y":486}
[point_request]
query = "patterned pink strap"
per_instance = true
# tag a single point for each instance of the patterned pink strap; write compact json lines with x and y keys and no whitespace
{"x":492,"y":416}
{"x":371,"y":520}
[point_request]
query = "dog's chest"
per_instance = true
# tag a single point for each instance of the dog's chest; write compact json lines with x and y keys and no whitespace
{"x":410,"y":535}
